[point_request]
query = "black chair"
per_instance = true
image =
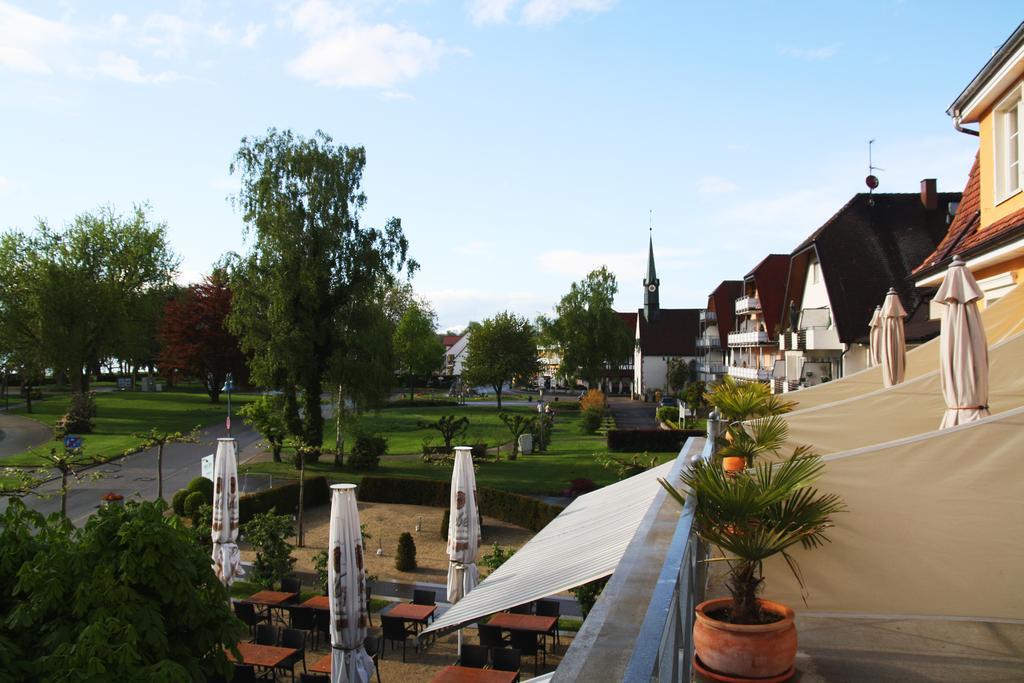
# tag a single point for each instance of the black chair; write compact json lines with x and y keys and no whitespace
{"x":267,"y":635}
{"x":506,"y":659}
{"x":293,"y":637}
{"x":291,"y":584}
{"x":529,"y":644}
{"x":314,"y":678}
{"x":244,"y":673}
{"x":372,"y":646}
{"x":322,"y":624}
{"x":550,"y":608}
{"x":490,"y":636}
{"x":304,"y":619}
{"x":395,"y":630}
{"x":424,"y":597}
{"x":247,"y":613}
{"x":526,"y":608}
{"x":473,"y":656}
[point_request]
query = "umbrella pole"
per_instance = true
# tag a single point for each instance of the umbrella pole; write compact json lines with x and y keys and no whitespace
{"x":460,"y":572}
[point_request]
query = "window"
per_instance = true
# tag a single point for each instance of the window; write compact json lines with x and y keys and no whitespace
{"x":1007,"y":124}
{"x":815,"y":272}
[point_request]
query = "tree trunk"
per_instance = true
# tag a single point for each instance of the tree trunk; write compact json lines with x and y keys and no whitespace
{"x":339,"y":437}
{"x":497,"y":394}
{"x":63,"y":492}
{"x":412,"y":387}
{"x":275,"y":448}
{"x":302,"y":482}
{"x":743,"y":584}
{"x":160,"y":471}
{"x":213,"y":385}
{"x":313,"y":429}
{"x":291,"y":411}
{"x":28,"y":399}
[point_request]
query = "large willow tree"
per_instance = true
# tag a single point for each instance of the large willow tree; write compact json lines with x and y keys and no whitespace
{"x":305,"y":294}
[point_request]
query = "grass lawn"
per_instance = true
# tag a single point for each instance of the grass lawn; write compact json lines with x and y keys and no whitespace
{"x":121,"y":414}
{"x":570,"y":456}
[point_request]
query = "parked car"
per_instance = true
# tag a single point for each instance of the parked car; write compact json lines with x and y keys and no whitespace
{"x":668,"y":401}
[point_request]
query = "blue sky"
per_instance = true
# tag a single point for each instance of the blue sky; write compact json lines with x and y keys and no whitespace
{"x":522,"y":142}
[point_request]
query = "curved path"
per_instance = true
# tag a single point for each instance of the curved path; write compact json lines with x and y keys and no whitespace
{"x":18,"y":434}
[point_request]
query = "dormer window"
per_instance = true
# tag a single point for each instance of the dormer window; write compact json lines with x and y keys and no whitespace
{"x":1008,"y":145}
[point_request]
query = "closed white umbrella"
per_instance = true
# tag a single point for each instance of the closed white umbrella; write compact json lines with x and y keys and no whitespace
{"x":875,"y":337}
{"x":963,"y":348}
{"x":346,"y":590}
{"x":893,"y":350}
{"x":463,"y":529}
{"x":227,"y":562}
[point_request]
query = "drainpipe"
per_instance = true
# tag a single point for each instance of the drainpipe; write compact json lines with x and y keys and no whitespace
{"x":961,"y":129}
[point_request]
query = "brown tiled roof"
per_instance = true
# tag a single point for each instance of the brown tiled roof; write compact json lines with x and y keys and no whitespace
{"x":449,"y":340}
{"x":965,"y":220}
{"x":769,"y":278}
{"x":670,"y":332}
{"x":723,"y":302}
{"x":630,"y":320}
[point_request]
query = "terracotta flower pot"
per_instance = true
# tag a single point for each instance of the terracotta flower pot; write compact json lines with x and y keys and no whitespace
{"x":733,"y":463}
{"x":744,"y":652}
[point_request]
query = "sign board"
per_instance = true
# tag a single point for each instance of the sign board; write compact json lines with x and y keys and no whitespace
{"x":73,"y":442}
{"x":208,"y":467}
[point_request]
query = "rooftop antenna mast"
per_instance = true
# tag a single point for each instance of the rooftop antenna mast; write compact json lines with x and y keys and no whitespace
{"x":650,"y":220}
{"x":872,"y":180}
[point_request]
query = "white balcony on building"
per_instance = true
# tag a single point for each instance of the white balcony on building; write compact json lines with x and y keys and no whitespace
{"x":709,"y":342}
{"x":708,"y":316}
{"x":752,"y":338}
{"x":752,"y":374}
{"x":816,"y":333}
{"x":712,"y":368}
{"x":747,"y":304}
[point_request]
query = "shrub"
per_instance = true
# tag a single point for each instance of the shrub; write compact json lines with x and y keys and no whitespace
{"x":202,"y":521}
{"x":587,"y":594}
{"x":405,"y":556}
{"x":497,"y":557}
{"x":650,"y":440}
{"x":192,"y":502}
{"x":78,"y":418}
{"x":284,"y":499}
{"x":367,"y":451}
{"x":593,"y":400}
{"x":591,"y":421}
{"x":266,"y":533}
{"x":320,"y":567}
{"x":577,"y":487}
{"x":178,"y":502}
{"x":204,"y":486}
{"x":667,"y":414}
{"x":420,"y":403}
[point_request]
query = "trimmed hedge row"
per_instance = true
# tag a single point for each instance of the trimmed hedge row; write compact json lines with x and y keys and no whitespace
{"x":650,"y":440}
{"x":513,"y":508}
{"x":284,"y":499}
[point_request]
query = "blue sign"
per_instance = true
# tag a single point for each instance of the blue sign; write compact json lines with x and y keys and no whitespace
{"x":73,"y":442}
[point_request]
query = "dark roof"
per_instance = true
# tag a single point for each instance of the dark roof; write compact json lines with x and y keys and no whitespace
{"x":670,"y":332}
{"x":964,"y":237}
{"x":723,"y":302}
{"x":868,"y":246}
{"x":769,"y":279}
{"x":629,"y":319}
{"x":449,"y":340}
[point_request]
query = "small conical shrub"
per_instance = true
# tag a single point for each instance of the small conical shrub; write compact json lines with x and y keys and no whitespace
{"x":405,"y":557}
{"x":178,"y":502}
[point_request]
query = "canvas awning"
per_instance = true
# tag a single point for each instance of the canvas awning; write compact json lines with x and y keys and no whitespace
{"x":585,"y":542}
{"x":1002,"y":320}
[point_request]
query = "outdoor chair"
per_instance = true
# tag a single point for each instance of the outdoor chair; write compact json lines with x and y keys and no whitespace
{"x":372,"y":646}
{"x":314,"y":678}
{"x":322,"y":624}
{"x":293,"y":637}
{"x":529,"y":644}
{"x":247,"y":613}
{"x":551,"y":608}
{"x":304,"y":619}
{"x":506,"y":659}
{"x":267,"y":635}
{"x":395,"y":630}
{"x":473,"y":656}
{"x":424,"y":597}
{"x":490,"y":636}
{"x":526,"y":608}
{"x":291,"y":584}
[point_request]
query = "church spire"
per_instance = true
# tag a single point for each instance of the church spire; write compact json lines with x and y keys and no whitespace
{"x":651,"y":282}
{"x":652,"y":275}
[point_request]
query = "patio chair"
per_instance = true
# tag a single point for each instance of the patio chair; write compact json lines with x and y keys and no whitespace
{"x":293,"y":637}
{"x":424,"y":597}
{"x":506,"y":659}
{"x":314,"y":678}
{"x":529,"y":644}
{"x":291,"y":584}
{"x":267,"y":635}
{"x":551,"y":608}
{"x":247,"y":613}
{"x":372,"y":646}
{"x":395,"y":630}
{"x":526,"y":608}
{"x":322,"y":625}
{"x":304,"y":619}
{"x":473,"y":656}
{"x":490,"y":636}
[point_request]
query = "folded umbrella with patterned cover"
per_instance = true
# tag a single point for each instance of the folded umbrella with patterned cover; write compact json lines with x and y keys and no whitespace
{"x":346,"y":589}
{"x":227,"y":561}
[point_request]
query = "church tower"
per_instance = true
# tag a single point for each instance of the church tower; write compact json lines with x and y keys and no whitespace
{"x":651,"y":285}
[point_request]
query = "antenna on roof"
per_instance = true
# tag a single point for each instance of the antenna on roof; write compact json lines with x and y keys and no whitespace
{"x":872,"y":180}
{"x":650,"y":220}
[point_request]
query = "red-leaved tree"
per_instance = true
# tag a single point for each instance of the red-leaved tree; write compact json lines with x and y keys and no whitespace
{"x":193,"y":337}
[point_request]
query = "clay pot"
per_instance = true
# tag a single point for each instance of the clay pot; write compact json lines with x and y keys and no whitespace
{"x":733,"y":463}
{"x":742,"y":652}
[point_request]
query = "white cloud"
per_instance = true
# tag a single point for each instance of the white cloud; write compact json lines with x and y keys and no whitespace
{"x":5,"y":183}
{"x":396,"y":95}
{"x":713,"y":184}
{"x":810,"y":53}
{"x":29,"y":43}
{"x":346,"y":51}
{"x":535,"y":12}
{"x":123,"y":68}
{"x":252,"y":35}
{"x":490,"y":11}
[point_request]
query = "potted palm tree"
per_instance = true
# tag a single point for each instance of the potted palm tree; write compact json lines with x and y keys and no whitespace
{"x":750,"y":516}
{"x":753,"y":426}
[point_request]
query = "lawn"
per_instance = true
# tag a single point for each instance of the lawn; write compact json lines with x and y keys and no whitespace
{"x":571,"y":456}
{"x":120,"y":414}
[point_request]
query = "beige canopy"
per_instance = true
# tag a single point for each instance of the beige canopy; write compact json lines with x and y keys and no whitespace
{"x":1001,"y":320}
{"x":934,"y":527}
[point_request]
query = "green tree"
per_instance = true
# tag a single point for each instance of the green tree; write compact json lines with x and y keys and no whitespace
{"x":500,"y":350}
{"x":268,"y":534}
{"x":158,"y":439}
{"x":450,"y":426}
{"x":417,"y":347}
{"x":129,"y":597}
{"x":678,"y":375}
{"x":517,"y":426}
{"x":312,"y":272}
{"x":266,"y":416}
{"x":588,"y":333}
{"x":20,"y":322}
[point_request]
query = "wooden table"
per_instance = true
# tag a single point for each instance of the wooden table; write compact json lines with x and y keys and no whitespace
{"x":406,"y":611}
{"x":322,"y":665}
{"x":262,"y":655}
{"x":530,"y":623}
{"x":465,"y":674}
{"x":271,"y":598}
{"x":318,"y":602}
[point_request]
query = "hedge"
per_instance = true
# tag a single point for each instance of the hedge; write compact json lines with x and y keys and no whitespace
{"x":650,"y":440}
{"x":513,"y":508}
{"x":667,"y":414}
{"x":284,"y":499}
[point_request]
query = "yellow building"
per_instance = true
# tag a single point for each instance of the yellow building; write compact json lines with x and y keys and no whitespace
{"x":988,"y":230}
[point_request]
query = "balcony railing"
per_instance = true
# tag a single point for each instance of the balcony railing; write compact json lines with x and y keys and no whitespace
{"x":712,"y":368}
{"x":746,"y":304}
{"x":708,"y":316}
{"x":753,"y":338}
{"x":752,"y":374}
{"x":709,"y":342}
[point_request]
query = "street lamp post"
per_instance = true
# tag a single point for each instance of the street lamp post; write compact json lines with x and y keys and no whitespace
{"x":228,"y":386}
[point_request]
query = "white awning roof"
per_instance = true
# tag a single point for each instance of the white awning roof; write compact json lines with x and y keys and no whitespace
{"x":585,"y":542}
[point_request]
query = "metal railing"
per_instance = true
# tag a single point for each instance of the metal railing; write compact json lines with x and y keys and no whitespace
{"x":746,"y":304}
{"x":709,"y":342}
{"x":664,"y":644}
{"x":750,"y":338}
{"x":708,"y":316}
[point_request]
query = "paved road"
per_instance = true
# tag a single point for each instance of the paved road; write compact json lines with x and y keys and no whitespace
{"x":630,"y":414}
{"x":18,"y":434}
